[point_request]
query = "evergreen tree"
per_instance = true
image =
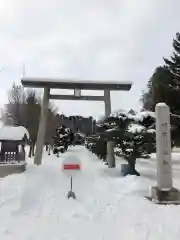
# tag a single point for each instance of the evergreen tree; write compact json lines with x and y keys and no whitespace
{"x":164,"y":85}
{"x":173,"y":64}
{"x":159,"y":90}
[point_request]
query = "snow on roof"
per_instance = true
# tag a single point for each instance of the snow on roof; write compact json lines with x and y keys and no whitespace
{"x":13,"y":133}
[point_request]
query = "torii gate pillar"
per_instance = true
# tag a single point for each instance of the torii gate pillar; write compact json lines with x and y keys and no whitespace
{"x":107,"y":101}
{"x":110,"y":144}
{"x":42,"y":127}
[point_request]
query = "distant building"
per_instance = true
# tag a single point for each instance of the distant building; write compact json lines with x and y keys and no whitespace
{"x":86,"y":125}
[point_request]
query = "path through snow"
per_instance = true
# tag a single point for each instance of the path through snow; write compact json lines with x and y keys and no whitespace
{"x":34,"y":205}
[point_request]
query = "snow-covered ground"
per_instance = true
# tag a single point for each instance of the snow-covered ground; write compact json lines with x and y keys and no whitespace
{"x":34,"y":205}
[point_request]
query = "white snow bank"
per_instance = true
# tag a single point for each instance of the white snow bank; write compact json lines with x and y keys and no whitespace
{"x":13,"y":133}
{"x":34,"y":204}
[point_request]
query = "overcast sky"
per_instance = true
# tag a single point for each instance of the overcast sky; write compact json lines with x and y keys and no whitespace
{"x":88,"y":39}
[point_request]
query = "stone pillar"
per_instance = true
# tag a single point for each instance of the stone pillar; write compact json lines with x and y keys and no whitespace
{"x":110,"y":154}
{"x":42,"y":127}
{"x":110,"y":144}
{"x":163,"y":193}
{"x":107,"y":101}
{"x":163,"y":147}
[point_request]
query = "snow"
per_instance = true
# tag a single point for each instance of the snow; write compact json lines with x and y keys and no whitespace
{"x":119,"y":112}
{"x":161,"y":104}
{"x":56,"y":80}
{"x":13,"y":133}
{"x":145,"y":114}
{"x":138,"y":128}
{"x":111,"y":130}
{"x":135,"y":128}
{"x":81,"y":134}
{"x":13,"y":163}
{"x":34,"y":205}
{"x":151,"y":131}
{"x":138,"y":117}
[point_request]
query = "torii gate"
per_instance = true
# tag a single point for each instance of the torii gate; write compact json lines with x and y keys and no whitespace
{"x":77,"y":86}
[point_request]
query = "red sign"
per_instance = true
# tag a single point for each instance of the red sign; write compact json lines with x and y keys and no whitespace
{"x":71,"y":167}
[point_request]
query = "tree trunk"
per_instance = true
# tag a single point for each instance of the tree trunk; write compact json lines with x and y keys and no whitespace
{"x":132,"y":167}
{"x":23,"y":152}
{"x":110,"y":154}
{"x":46,"y":147}
{"x":33,"y":148}
{"x":49,"y":149}
{"x":30,"y":151}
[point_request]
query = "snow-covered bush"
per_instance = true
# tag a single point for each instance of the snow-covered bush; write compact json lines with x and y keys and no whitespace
{"x":63,"y":138}
{"x":97,"y":145}
{"x":134,"y":135}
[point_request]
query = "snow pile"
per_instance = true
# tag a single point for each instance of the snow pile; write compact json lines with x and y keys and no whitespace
{"x":13,"y":133}
{"x":34,"y":204}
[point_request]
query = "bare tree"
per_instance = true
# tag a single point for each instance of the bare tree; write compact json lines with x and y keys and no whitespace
{"x":24,"y":107}
{"x":16,"y":98}
{"x":32,"y":114}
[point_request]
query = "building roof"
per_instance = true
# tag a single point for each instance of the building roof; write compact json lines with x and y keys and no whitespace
{"x":13,"y":133}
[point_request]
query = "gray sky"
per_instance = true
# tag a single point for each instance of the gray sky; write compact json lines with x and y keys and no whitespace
{"x":88,"y":39}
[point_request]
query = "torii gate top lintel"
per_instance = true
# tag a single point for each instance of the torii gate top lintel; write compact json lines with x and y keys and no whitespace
{"x":75,"y":84}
